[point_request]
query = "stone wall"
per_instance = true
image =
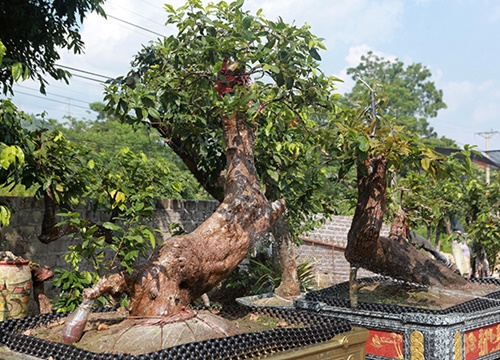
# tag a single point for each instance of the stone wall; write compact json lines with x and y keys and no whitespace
{"x":21,"y":236}
{"x":324,"y":247}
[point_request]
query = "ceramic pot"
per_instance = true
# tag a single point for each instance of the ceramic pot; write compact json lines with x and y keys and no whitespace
{"x":15,"y":289}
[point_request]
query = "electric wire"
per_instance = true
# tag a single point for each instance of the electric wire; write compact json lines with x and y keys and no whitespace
{"x":83,"y":71}
{"x":134,"y":25}
{"x":92,"y":74}
{"x":88,"y":78}
{"x":56,"y":95}
{"x":116,"y":7}
{"x":52,"y":100}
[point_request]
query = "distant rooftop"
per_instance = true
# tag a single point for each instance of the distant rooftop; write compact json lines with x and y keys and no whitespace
{"x":493,"y":161}
{"x":494,"y":156}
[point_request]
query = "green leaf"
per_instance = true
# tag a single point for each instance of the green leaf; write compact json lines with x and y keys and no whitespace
{"x":246,"y":22}
{"x":425,"y":162}
{"x":17,"y":71}
{"x":154,"y":113}
{"x":47,"y":184}
{"x":363,"y":144}
{"x":4,"y":215}
{"x":11,"y":155}
{"x":237,"y":4}
{"x":2,"y":51}
{"x":273,"y":174}
{"x":111,"y":226}
{"x":272,"y":68}
{"x":152,"y":239}
{"x":314,"y":53}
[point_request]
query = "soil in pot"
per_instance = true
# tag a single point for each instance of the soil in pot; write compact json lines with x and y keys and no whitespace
{"x":116,"y":332}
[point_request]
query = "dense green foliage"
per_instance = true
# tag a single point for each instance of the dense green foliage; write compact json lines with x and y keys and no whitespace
{"x":11,"y":149}
{"x":34,"y":32}
{"x":176,"y":86}
{"x":125,"y":190}
{"x":121,"y":185}
{"x":411,"y":98}
{"x":107,"y":136}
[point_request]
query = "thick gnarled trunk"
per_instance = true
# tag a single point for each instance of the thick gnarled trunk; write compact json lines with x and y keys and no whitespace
{"x":184,"y":267}
{"x":391,"y":256}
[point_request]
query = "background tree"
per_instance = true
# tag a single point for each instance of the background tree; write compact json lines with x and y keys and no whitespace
{"x":411,"y":97}
{"x":33,"y":34}
{"x":430,"y":203}
{"x":123,"y":186}
{"x":30,"y":36}
{"x":107,"y":135}
{"x":479,"y":203}
{"x":12,"y":145}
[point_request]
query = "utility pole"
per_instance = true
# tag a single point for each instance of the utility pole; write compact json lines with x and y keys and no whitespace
{"x":487,"y":135}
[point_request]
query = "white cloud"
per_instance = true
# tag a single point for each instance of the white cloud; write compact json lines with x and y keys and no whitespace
{"x":352,"y":59}
{"x":110,"y":44}
{"x":472,"y":108}
{"x":349,"y":21}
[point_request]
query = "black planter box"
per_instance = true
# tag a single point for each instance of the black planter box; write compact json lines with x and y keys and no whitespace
{"x":314,"y":329}
{"x":470,"y":330}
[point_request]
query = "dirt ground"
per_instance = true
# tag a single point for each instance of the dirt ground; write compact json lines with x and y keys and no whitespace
{"x":116,"y":332}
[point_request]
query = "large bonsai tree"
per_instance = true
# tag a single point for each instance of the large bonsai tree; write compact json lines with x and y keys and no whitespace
{"x":226,"y":81}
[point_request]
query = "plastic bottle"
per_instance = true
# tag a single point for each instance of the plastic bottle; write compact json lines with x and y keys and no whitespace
{"x":75,"y":323}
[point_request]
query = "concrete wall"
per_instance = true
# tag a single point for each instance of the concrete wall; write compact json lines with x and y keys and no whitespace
{"x":324,"y":246}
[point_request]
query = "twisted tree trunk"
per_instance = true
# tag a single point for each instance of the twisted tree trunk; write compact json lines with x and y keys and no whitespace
{"x":392,"y":256}
{"x":185,"y":267}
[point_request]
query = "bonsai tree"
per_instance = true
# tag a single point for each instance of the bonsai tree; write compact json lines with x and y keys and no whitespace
{"x":223,"y":59}
{"x":380,"y":149}
{"x":217,"y":91}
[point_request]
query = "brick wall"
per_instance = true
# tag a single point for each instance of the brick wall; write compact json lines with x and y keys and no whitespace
{"x":324,"y":247}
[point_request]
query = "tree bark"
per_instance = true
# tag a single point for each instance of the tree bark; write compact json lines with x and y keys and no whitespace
{"x":185,"y":267}
{"x":289,"y":286}
{"x":392,"y":256}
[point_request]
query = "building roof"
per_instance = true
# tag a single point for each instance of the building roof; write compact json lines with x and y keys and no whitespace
{"x":494,"y":156}
{"x":493,"y":161}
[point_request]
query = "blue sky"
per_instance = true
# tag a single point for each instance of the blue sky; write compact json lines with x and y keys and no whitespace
{"x":456,"y":39}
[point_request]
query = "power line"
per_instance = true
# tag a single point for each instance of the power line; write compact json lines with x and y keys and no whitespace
{"x":57,"y":95}
{"x":84,"y":71}
{"x":135,"y":13}
{"x":87,"y":84}
{"x":134,"y":25}
{"x":88,"y":78}
{"x":148,"y":3}
{"x":53,"y":100}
